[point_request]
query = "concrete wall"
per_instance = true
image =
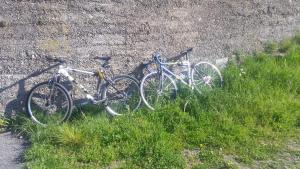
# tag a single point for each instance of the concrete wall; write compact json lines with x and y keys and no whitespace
{"x":130,"y":31}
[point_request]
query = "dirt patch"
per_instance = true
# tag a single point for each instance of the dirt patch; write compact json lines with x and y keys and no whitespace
{"x":11,"y":150}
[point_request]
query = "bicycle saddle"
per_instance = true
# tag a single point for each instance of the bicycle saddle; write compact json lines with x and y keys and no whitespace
{"x":187,"y":51}
{"x":104,"y":58}
{"x":51,"y":58}
{"x":182,"y":54}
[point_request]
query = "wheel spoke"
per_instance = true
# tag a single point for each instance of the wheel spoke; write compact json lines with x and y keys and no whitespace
{"x":206,"y":76}
{"x":48,"y":104}
{"x":123,"y":95}
{"x":155,"y":93}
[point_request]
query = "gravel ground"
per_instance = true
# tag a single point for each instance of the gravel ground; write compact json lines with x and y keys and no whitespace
{"x":11,"y":149}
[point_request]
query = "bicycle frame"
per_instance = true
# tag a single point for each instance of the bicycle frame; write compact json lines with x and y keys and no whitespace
{"x":100,"y":74}
{"x":161,"y":80}
{"x":162,"y":68}
{"x":64,"y":71}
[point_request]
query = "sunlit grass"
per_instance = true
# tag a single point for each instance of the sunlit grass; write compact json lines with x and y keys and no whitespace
{"x":3,"y":123}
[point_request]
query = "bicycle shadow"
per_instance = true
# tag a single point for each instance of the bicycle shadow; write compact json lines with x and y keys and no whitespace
{"x":17,"y":105}
{"x":138,"y":72}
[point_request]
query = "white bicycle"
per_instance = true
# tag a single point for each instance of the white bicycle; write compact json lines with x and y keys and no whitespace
{"x":160,"y":85}
{"x":50,"y":102}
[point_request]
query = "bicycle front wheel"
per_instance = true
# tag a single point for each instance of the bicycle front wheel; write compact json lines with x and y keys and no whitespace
{"x":48,"y":103}
{"x":157,"y":88}
{"x":206,"y":76}
{"x":122,"y":95}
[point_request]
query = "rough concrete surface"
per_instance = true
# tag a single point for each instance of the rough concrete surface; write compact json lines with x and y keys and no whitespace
{"x":129,"y":31}
{"x":11,"y":149}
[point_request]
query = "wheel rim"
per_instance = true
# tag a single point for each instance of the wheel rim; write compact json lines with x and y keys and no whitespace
{"x":45,"y":108}
{"x":123,"y":97}
{"x":154,"y":92}
{"x":206,"y":77}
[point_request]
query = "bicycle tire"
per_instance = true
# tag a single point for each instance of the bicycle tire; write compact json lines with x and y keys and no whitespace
{"x":151,"y":98}
{"x":130,"y":90}
{"x":51,"y":109}
{"x":206,"y":76}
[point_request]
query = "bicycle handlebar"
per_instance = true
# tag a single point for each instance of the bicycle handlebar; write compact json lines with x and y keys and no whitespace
{"x":157,"y":57}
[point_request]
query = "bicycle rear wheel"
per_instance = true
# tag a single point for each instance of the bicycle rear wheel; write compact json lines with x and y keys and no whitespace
{"x":206,"y":76}
{"x":155,"y":89}
{"x":48,"y":103}
{"x":122,"y":95}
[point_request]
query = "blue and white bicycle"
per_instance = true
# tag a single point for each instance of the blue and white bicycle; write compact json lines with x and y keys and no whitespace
{"x":160,"y":84}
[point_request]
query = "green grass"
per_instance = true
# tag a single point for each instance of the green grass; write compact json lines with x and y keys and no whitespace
{"x":3,"y":122}
{"x":251,"y":118}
